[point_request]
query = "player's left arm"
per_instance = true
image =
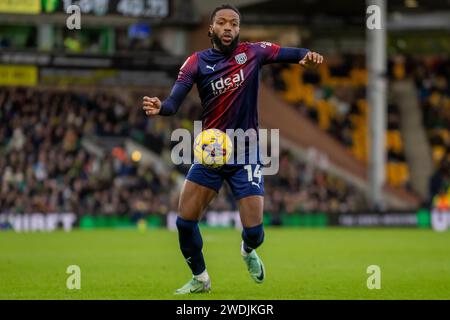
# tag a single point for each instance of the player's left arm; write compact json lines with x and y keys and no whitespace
{"x":273,"y":53}
{"x":304,"y":57}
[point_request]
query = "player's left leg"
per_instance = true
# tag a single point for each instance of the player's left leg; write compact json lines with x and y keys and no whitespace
{"x":247,"y":185}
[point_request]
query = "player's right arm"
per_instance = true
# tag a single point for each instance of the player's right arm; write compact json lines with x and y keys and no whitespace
{"x":183,"y":84}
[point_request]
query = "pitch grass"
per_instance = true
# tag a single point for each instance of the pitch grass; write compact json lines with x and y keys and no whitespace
{"x":300,"y":263}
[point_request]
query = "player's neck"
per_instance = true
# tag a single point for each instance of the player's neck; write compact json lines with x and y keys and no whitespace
{"x":215,"y":47}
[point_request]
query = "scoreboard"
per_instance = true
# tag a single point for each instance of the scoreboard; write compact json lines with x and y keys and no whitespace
{"x":127,"y":8}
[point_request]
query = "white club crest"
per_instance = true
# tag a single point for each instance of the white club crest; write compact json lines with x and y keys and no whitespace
{"x":241,"y":58}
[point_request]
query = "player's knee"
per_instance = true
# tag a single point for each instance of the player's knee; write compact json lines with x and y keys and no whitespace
{"x":253,"y":236}
{"x":188,"y":212}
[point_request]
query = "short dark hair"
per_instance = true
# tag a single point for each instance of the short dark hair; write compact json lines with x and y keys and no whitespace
{"x":225,"y":6}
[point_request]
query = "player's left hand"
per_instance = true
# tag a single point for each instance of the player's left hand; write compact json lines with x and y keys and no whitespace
{"x":312,"y":59}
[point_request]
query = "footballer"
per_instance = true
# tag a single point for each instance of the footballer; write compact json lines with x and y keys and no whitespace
{"x":227,"y":78}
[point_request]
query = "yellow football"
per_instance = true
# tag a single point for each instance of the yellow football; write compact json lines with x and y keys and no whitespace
{"x":212,"y":148}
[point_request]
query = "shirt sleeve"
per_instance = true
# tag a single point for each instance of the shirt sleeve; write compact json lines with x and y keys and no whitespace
{"x":291,"y":55}
{"x":266,"y":51}
{"x":188,"y":71}
{"x":186,"y":78}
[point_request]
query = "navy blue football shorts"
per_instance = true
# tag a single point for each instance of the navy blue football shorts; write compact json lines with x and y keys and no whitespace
{"x":244,"y":180}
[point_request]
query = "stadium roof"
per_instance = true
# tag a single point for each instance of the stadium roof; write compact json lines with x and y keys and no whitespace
{"x":348,"y":11}
{"x":206,"y":7}
{"x":340,"y":8}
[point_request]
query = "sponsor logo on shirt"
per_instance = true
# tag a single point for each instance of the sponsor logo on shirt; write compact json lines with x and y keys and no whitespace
{"x":227,"y":84}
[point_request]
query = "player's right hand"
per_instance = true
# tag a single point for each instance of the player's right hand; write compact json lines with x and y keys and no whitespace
{"x":151,"y":106}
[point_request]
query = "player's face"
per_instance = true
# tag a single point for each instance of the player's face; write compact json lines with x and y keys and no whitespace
{"x":225,"y":29}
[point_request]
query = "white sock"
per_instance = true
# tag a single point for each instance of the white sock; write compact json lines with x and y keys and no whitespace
{"x":203,"y":277}
{"x":243,"y":252}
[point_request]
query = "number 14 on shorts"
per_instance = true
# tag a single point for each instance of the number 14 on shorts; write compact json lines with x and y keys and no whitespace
{"x":254,"y":174}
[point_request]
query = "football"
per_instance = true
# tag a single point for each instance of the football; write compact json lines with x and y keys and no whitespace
{"x":212,"y":148}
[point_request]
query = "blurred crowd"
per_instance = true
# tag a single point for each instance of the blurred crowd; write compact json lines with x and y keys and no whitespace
{"x":307,"y":89}
{"x":432,"y":78}
{"x":302,"y":186}
{"x":334,"y":97}
{"x":44,"y":166}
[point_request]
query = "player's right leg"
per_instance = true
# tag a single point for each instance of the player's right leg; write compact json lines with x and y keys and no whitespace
{"x":199,"y":189}
{"x":251,"y":211}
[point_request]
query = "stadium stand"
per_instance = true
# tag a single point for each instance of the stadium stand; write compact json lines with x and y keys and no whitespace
{"x":333,"y":96}
{"x":46,"y":168}
{"x":431,"y":76}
